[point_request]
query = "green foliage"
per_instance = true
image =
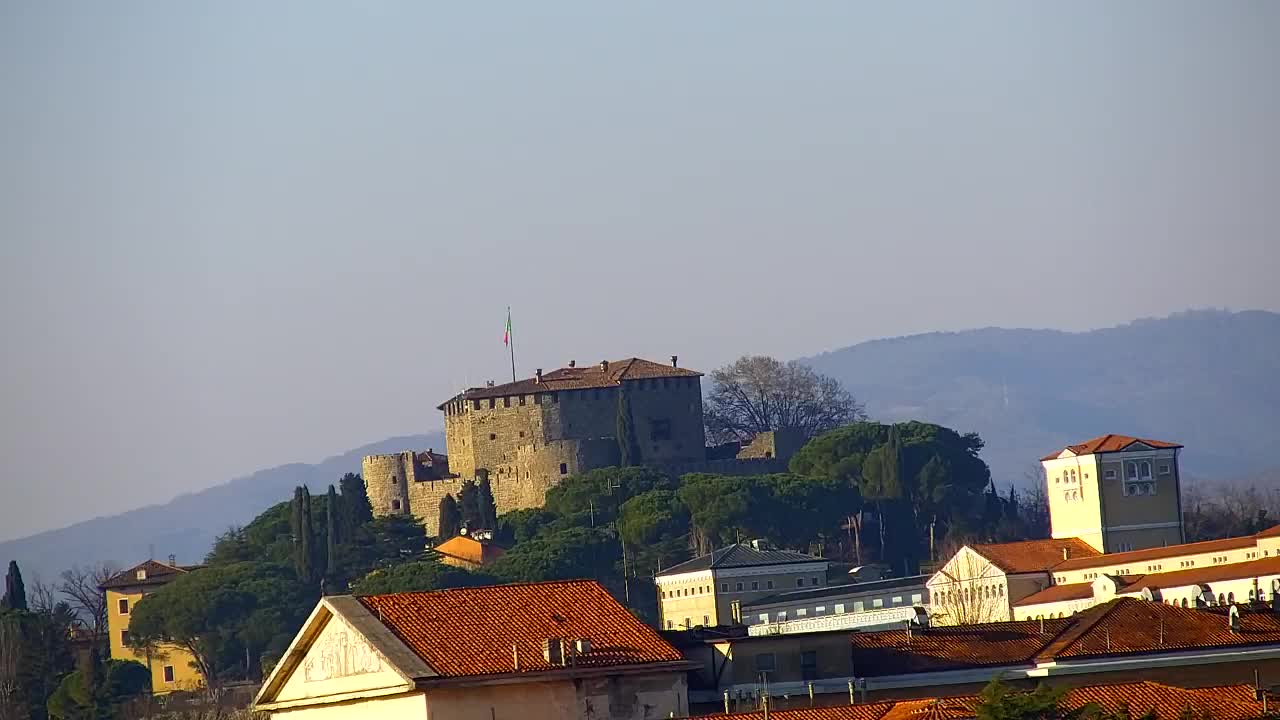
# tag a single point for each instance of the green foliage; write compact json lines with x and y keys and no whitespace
{"x":223,"y":613}
{"x":719,"y":507}
{"x":355,"y":507}
{"x":15,"y":591}
{"x":578,"y":552}
{"x":486,"y":506}
{"x":655,"y":528}
{"x":331,"y":536}
{"x":304,"y":537}
{"x":598,"y":494}
{"x":628,"y":447}
{"x":419,"y":575}
{"x":518,"y":526}
{"x":469,"y":504}
{"x":450,"y":519}
{"x":35,"y":652}
{"x":999,"y":701}
{"x":101,"y":696}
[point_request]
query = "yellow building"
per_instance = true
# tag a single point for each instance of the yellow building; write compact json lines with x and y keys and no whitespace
{"x":533,"y":651}
{"x":711,"y":589}
{"x":171,"y":667}
{"x":1116,"y":492}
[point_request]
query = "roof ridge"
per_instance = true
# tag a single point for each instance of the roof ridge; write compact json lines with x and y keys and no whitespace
{"x":1068,"y":636}
{"x":524,"y":583}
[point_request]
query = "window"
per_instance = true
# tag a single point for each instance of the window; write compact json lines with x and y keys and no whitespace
{"x":799,"y":582}
{"x":670,"y":624}
{"x":564,"y":469}
{"x":738,"y":587}
{"x":764,"y":617}
{"x":124,"y":637}
{"x":506,"y":402}
{"x":916,"y":599}
{"x":124,"y":606}
{"x":768,"y":584}
{"x":813,"y":581}
{"x":491,"y":400}
{"x":839,"y":608}
{"x":393,"y":482}
{"x":724,"y":587}
{"x":857,"y":606}
{"x":659,"y":430}
{"x":706,"y":620}
{"x":809,"y":664}
{"x":755,"y":585}
{"x":663,"y":594}
{"x":168,"y":673}
{"x":1145,"y":469}
{"x":1110,"y":475}
{"x":1131,"y":470}
{"x":877,"y":603}
{"x":897,"y":599}
{"x":687,"y":623}
{"x":395,"y":504}
{"x":1164,"y":469}
{"x":765,"y":662}
{"x":493,"y":436}
{"x":801,"y":612}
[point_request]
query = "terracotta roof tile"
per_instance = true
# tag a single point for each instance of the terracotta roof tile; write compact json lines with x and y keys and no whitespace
{"x":1270,"y":532}
{"x":1110,"y":443}
{"x":581,"y":378}
{"x":892,"y":652}
{"x":1058,"y":593}
{"x":1213,"y":573}
{"x":470,"y":550}
{"x":1234,"y":702}
{"x":1123,"y":558}
{"x":1034,"y":555}
{"x":471,"y":631}
{"x":1128,"y":626}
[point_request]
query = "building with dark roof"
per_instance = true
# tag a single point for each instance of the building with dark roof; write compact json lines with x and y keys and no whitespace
{"x":852,"y":605}
{"x":538,"y":651}
{"x":711,"y":589}
{"x":171,"y":666}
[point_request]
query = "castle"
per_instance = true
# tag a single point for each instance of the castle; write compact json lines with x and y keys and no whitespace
{"x":525,"y":436}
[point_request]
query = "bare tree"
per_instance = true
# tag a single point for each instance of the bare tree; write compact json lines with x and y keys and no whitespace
{"x":10,"y":652}
{"x":756,"y":394}
{"x":973,"y":591}
{"x":40,"y":595}
{"x":81,"y":587}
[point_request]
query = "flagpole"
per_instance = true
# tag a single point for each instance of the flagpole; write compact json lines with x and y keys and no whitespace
{"x":511,"y":344}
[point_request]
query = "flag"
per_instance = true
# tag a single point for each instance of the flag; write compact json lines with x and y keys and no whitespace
{"x":506,"y":335}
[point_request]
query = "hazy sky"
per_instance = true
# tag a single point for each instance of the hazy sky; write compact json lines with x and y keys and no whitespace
{"x":237,"y":234}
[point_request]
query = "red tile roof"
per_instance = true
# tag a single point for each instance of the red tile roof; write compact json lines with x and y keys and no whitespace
{"x":1034,"y":555}
{"x":1058,"y":593}
{"x":1121,"y":559}
{"x":1109,"y":444}
{"x":581,"y":378}
{"x":472,"y":631}
{"x":1233,"y":702}
{"x":1213,"y":573}
{"x":893,"y":652}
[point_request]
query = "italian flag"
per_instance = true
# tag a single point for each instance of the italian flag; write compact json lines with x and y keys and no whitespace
{"x":506,"y":335}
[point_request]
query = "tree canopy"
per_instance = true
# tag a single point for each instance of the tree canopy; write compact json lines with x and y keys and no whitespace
{"x":755,"y":394}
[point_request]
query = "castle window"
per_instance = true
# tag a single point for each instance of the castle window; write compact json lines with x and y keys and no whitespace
{"x":491,"y":403}
{"x":537,"y":399}
{"x":475,"y":404}
{"x":395,"y":504}
{"x":506,"y":402}
{"x":564,"y":469}
{"x":522,"y":398}
{"x":393,"y":480}
{"x":521,"y":433}
{"x":493,"y":436}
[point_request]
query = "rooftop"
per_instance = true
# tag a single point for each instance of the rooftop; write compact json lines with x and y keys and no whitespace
{"x":739,"y":555}
{"x":1035,"y":555}
{"x":156,"y":573}
{"x":1058,"y":593}
{"x":1215,"y":573}
{"x":1121,"y":558}
{"x":1110,"y":443}
{"x":607,"y":374}
{"x":1125,"y":626}
{"x":473,"y":631}
{"x":1232,"y":702}
{"x":874,"y":586}
{"x":468,"y":549}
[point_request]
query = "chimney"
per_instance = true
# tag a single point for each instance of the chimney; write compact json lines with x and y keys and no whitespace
{"x":173,"y":560}
{"x":573,"y":363}
{"x":515,"y":656}
{"x":673,"y":361}
{"x":604,"y":366}
{"x":1233,"y":618}
{"x":537,"y":376}
{"x":488,"y":383}
{"x":553,"y":651}
{"x":1066,"y":553}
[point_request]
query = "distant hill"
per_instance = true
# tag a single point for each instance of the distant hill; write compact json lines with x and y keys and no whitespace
{"x":187,"y":525}
{"x":1206,"y":379}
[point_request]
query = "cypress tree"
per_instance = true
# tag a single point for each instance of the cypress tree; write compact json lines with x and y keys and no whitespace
{"x":469,"y":504}
{"x":628,"y":448}
{"x":488,"y":507}
{"x":308,"y":538}
{"x":450,"y":518}
{"x":15,"y":592}
{"x":355,"y":507}
{"x":331,"y":538}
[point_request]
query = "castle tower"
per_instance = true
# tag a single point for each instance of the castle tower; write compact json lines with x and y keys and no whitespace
{"x":1116,"y":493}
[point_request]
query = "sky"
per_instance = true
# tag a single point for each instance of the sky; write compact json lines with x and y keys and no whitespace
{"x":239,"y":234}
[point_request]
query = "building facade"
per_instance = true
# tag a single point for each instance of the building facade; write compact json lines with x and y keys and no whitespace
{"x":712,"y":589}
{"x":789,"y":607}
{"x":1117,"y":493}
{"x":171,"y":667}
{"x":529,"y":651}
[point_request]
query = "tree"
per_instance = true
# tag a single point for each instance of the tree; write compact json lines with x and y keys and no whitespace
{"x":655,"y":528}
{"x":1001,"y":702}
{"x":99,"y":689}
{"x":12,"y":706}
{"x":81,"y":587}
{"x":628,"y":446}
{"x":15,"y":592}
{"x":719,"y":509}
{"x":469,"y":504}
{"x":356,"y":510}
{"x":756,"y":394}
{"x":420,"y":575}
{"x":331,"y":537}
{"x":450,"y":518}
{"x":304,"y":537}
{"x":486,"y":506}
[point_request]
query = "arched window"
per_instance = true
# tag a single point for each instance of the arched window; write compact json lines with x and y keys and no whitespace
{"x":1131,"y":470}
{"x":1221,"y":599}
{"x":1146,"y":469}
{"x":1231,"y":597}
{"x":1184,"y":602}
{"x":1253,"y":594}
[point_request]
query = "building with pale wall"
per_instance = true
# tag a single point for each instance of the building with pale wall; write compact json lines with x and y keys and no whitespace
{"x":527,"y":436}
{"x":711,"y":589}
{"x":1116,"y":492}
{"x":532,"y":651}
{"x":171,"y":667}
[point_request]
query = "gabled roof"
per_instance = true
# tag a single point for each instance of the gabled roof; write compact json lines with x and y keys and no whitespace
{"x":1110,"y":443}
{"x":468,"y":549}
{"x":1058,"y":593}
{"x":157,"y":573}
{"x":1230,"y":702}
{"x":735,"y":556}
{"x":479,"y":631}
{"x":935,"y":649}
{"x":1123,"y":558}
{"x":1034,"y":555}
{"x":606,"y":375}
